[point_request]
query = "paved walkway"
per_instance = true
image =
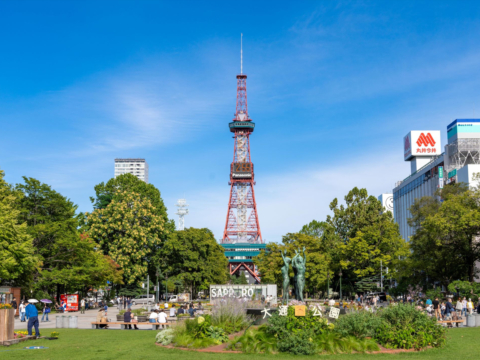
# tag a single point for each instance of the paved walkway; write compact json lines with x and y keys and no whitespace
{"x":84,"y":320}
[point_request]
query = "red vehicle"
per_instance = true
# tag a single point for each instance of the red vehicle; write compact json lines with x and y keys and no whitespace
{"x":71,"y":301}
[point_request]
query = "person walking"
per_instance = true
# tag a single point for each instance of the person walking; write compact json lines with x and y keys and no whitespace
{"x":15,"y":305}
{"x":82,"y":306}
{"x":470,"y":306}
{"x":449,"y":309}
{"x":436,"y":308}
{"x":119,"y":303}
{"x":459,"y":306}
{"x":32,"y":314}
{"x":124,"y":301}
{"x":21,"y":308}
{"x":46,"y":311}
{"x":464,"y":306}
{"x":129,"y":303}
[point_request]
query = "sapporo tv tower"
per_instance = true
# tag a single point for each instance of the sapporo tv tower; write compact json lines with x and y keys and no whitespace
{"x":242,"y":238}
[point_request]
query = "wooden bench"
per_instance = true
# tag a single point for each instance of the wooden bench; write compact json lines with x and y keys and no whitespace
{"x":451,"y":322}
{"x":123,"y":325}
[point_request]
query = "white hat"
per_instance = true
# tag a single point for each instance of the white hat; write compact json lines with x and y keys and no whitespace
{"x":33,"y":301}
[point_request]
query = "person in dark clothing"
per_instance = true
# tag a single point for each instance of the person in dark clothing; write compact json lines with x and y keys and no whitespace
{"x":14,"y":303}
{"x":449,"y":309}
{"x":124,"y":303}
{"x":191,"y":311}
{"x":127,"y":317}
{"x":181,"y":310}
{"x":436,"y":308}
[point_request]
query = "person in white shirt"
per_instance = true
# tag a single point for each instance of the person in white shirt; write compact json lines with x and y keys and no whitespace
{"x":162,"y":317}
{"x":331,"y":302}
{"x":22,"y":311}
{"x":173,"y":311}
{"x":157,"y":306}
{"x":166,"y":305}
{"x":153,"y":316}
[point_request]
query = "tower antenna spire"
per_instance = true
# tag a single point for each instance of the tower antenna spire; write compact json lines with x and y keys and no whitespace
{"x":241,"y":53}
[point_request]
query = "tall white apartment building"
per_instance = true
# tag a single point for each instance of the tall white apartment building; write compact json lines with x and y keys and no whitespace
{"x":137,"y":167}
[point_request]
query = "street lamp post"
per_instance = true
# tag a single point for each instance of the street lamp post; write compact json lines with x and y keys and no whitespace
{"x":328,"y":283}
{"x":340,"y":274}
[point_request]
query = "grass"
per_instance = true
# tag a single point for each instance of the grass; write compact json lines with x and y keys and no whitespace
{"x":462,"y":344}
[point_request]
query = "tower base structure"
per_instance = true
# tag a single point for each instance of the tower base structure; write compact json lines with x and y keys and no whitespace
{"x":240,"y":260}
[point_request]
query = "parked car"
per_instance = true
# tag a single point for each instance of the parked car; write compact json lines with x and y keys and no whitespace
{"x":144,"y":300}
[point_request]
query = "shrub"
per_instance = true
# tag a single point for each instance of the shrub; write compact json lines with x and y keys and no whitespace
{"x":296,"y":334}
{"x":255,"y":341}
{"x":165,"y":337}
{"x":334,"y":343}
{"x":54,"y":334}
{"x":360,"y":324}
{"x":230,"y":314}
{"x":406,"y":327}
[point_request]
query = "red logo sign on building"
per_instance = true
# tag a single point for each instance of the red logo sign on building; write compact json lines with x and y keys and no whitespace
{"x":425,"y":140}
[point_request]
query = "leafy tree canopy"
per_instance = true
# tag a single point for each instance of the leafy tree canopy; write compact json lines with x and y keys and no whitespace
{"x":128,"y":230}
{"x":16,"y":251}
{"x":194,"y":257}
{"x":445,"y":246}
{"x":66,"y":258}
{"x":368,"y":235}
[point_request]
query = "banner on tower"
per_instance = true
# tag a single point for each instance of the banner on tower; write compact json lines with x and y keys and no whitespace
{"x":242,"y":170}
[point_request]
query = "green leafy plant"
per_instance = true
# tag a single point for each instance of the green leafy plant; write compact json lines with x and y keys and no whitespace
{"x":255,"y":341}
{"x":359,"y":323}
{"x":165,"y":337}
{"x":54,"y":334}
{"x":405,"y":327}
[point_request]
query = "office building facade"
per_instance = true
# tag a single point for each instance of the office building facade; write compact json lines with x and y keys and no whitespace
{"x":137,"y":167}
{"x":431,"y":169}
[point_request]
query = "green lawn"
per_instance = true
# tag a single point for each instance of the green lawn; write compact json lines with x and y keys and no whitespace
{"x":462,"y":344}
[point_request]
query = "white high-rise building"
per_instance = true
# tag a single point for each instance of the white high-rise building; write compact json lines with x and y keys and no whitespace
{"x":137,"y":167}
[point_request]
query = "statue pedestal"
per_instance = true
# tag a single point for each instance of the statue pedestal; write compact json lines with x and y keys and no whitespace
{"x":258,"y":315}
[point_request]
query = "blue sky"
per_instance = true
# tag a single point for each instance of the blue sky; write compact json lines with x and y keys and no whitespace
{"x":332,"y":87}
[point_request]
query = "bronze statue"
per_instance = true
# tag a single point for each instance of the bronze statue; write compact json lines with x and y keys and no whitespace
{"x":299,"y":267}
{"x":286,"y":277}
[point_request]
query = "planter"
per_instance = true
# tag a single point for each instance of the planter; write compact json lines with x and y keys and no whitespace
{"x":7,"y":317}
{"x":142,"y":318}
{"x":120,"y":318}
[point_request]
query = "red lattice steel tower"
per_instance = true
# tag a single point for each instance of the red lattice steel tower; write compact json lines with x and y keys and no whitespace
{"x":242,"y":224}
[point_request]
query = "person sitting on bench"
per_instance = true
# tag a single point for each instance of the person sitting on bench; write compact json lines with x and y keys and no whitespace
{"x":101,"y":318}
{"x":128,"y":318}
{"x":162,"y":318}
{"x":153,"y":316}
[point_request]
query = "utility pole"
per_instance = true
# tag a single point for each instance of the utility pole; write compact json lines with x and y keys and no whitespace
{"x":148,"y":290}
{"x":381,"y":276}
{"x":328,"y":283}
{"x":340,"y":274}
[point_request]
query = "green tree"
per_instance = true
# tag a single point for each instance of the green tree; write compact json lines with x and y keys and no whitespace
{"x":445,"y":246}
{"x":16,"y":250}
{"x":105,"y":193}
{"x":68,"y":261}
{"x":194,"y":257}
{"x":128,"y":230}
{"x":367,"y":234}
